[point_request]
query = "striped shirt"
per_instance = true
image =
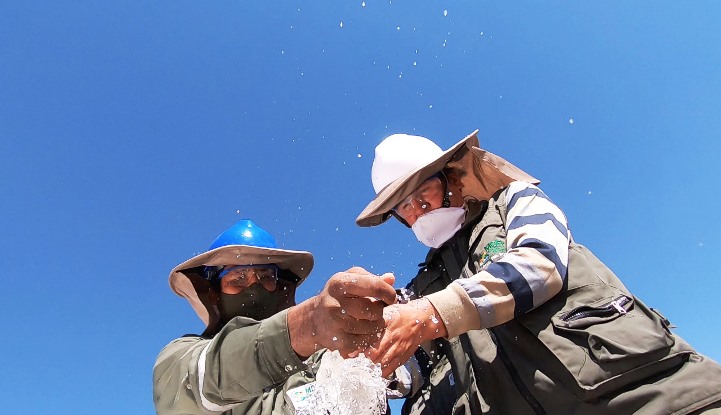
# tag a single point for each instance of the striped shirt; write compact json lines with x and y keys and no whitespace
{"x":531,"y":271}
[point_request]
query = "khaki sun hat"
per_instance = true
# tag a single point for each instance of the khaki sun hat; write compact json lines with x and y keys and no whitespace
{"x":402,"y":162}
{"x":244,"y":243}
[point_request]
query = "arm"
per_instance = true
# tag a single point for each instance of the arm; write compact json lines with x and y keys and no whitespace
{"x":247,"y":358}
{"x":196,"y":375}
{"x":527,"y":275}
{"x":530,"y":273}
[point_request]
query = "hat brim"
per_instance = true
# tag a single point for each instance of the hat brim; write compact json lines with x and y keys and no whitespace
{"x":378,"y":210}
{"x":298,"y":262}
{"x":183,"y":278}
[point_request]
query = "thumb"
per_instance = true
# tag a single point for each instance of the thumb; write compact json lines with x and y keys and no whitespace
{"x":389,"y":278}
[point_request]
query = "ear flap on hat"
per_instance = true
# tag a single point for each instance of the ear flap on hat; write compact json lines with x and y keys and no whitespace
{"x":484,"y":173}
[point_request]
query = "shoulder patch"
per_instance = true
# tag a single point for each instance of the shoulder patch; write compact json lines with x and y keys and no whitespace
{"x":491,"y":252}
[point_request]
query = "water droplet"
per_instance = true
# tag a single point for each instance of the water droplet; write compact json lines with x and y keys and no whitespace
{"x":335,"y":338}
{"x":570,"y":120}
{"x":363,"y":4}
{"x":341,"y":24}
{"x":445,"y":13}
{"x":288,"y":368}
{"x":342,"y":311}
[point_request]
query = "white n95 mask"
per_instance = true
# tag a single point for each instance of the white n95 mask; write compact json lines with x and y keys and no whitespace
{"x":434,"y":228}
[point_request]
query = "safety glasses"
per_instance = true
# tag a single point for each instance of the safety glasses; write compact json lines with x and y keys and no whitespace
{"x":243,"y":276}
{"x":422,"y":199}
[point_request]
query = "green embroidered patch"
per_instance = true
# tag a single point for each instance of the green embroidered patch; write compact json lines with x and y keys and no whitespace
{"x":492,"y":248}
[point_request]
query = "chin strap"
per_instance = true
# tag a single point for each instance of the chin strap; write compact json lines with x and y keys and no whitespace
{"x":446,"y":194}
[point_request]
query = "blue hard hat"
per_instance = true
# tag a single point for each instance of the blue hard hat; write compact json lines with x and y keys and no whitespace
{"x":244,"y":232}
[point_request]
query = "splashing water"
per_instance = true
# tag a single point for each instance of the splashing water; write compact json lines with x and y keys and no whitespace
{"x":352,"y":386}
{"x":403,"y":295}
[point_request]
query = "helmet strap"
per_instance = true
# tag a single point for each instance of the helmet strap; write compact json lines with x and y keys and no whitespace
{"x":446,"y":194}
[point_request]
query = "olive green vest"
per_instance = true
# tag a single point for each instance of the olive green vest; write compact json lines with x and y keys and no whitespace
{"x":593,"y":348}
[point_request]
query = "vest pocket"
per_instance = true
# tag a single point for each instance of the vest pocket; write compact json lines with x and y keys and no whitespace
{"x":613,"y":330}
{"x":610,"y":343}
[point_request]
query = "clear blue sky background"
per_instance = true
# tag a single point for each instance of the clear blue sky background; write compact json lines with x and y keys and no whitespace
{"x":133,"y":132}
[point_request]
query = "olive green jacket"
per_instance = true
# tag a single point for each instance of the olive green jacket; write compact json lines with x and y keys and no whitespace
{"x":244,"y":369}
{"x":572,"y":354}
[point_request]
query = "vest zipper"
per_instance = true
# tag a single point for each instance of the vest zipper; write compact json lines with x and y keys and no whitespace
{"x":520,"y":386}
{"x":606,"y":310}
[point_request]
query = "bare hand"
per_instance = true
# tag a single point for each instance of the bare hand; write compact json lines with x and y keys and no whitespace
{"x":346,"y":316}
{"x":407,"y":326}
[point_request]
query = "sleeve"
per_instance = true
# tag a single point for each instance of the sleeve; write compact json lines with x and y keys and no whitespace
{"x":529,"y":273}
{"x":211,"y":376}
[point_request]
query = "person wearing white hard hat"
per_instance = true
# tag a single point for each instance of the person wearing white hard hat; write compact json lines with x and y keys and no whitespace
{"x":258,"y":347}
{"x":511,"y":314}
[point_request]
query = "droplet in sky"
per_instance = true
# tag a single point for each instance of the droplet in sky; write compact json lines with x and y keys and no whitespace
{"x":445,"y":12}
{"x":570,"y":120}
{"x":341,"y":24}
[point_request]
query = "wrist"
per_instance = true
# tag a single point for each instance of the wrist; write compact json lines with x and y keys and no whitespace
{"x":433,"y":326}
{"x":301,"y":329}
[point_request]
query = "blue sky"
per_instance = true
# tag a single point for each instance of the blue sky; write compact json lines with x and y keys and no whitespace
{"x":132,"y":133}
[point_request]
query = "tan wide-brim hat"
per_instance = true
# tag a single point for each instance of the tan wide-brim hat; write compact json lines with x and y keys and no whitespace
{"x":184,"y":278}
{"x":495,"y":172}
{"x":378,"y":210}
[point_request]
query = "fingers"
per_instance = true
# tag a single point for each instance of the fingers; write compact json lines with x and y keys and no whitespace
{"x":389,"y":278}
{"x":389,"y":354}
{"x":362,"y":308}
{"x":355,"y":284}
{"x":407,"y":327}
{"x":348,"y":314}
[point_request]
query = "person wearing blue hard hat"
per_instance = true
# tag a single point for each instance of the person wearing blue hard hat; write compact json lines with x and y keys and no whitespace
{"x":257,"y":343}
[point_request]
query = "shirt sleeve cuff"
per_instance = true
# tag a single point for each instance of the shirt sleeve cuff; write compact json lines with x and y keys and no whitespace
{"x":455,"y":309}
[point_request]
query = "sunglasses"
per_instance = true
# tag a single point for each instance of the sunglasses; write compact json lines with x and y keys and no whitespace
{"x":243,"y":276}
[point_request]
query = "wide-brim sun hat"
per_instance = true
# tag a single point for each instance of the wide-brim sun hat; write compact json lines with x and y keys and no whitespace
{"x":185,"y":278}
{"x":402,"y":162}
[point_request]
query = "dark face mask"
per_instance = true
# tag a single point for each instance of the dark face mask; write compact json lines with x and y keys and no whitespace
{"x":255,"y":302}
